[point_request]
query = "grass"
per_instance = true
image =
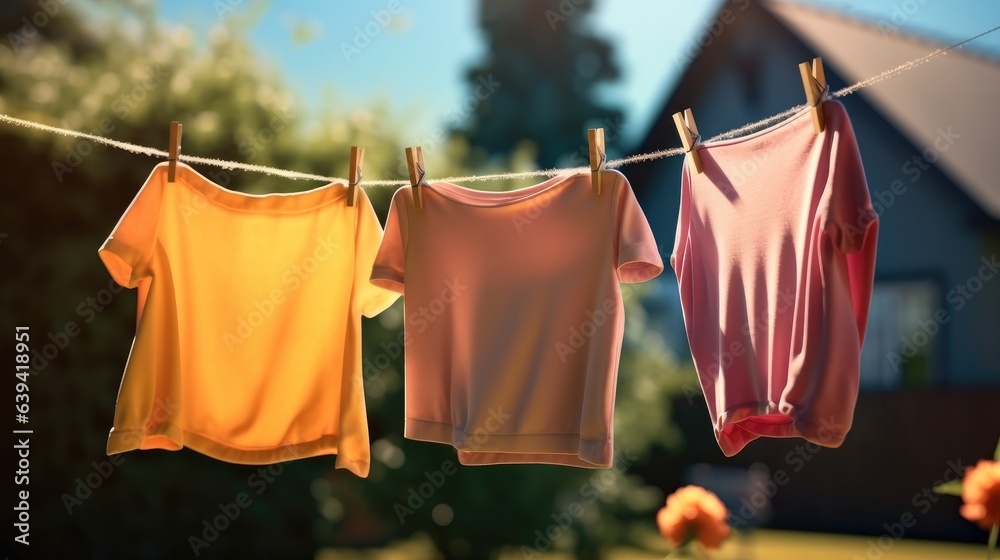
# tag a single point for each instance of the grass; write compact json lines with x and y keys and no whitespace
{"x":784,"y":545}
{"x":761,"y":545}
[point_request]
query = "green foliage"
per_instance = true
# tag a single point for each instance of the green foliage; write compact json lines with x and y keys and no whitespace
{"x":952,"y":488}
{"x":125,"y":75}
{"x":991,"y":545}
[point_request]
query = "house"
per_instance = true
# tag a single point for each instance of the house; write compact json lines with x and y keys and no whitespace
{"x":931,"y":363}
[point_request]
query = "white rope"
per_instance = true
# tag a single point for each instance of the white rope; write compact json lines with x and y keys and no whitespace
{"x":135,"y":148}
{"x":843,"y":92}
{"x":611,"y":164}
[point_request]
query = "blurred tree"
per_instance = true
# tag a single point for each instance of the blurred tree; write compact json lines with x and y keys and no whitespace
{"x":121,"y":73}
{"x":539,"y":81}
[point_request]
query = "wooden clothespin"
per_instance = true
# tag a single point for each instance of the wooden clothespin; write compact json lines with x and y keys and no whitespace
{"x":174,"y":150}
{"x":355,"y":173}
{"x":688,"y":131}
{"x":814,"y":82}
{"x":598,"y":157}
{"x":415,"y":164}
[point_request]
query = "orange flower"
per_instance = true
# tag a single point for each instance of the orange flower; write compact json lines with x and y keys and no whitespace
{"x":981,"y":494}
{"x":693,"y":512}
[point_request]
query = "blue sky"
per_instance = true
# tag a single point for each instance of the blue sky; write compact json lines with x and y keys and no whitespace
{"x":417,"y":59}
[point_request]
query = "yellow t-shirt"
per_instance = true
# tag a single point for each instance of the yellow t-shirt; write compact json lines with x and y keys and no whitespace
{"x":248,"y":335}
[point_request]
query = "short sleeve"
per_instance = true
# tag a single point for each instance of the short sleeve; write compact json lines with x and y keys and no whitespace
{"x":637,"y":257}
{"x":683,"y":221}
{"x":387,"y":271}
{"x":128,"y":251}
{"x":370,"y":298}
{"x":851,"y":221}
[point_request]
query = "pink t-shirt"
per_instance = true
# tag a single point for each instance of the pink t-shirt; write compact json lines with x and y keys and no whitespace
{"x":513,"y":314}
{"x":775,"y":257}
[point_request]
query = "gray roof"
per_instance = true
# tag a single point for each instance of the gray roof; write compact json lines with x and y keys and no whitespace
{"x":956,"y":93}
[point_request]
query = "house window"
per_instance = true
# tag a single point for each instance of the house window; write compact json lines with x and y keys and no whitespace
{"x":903,"y":340}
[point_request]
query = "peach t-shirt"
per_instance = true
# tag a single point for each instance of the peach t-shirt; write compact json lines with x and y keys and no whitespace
{"x":775,"y":259}
{"x":248,"y":334}
{"x":513,"y":315}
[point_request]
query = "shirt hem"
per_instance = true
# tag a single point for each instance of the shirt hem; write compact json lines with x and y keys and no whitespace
{"x":481,"y":447}
{"x":742,"y":424}
{"x":174,"y":438}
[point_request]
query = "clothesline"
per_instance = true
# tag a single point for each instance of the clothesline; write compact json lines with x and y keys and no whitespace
{"x":610,"y":164}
